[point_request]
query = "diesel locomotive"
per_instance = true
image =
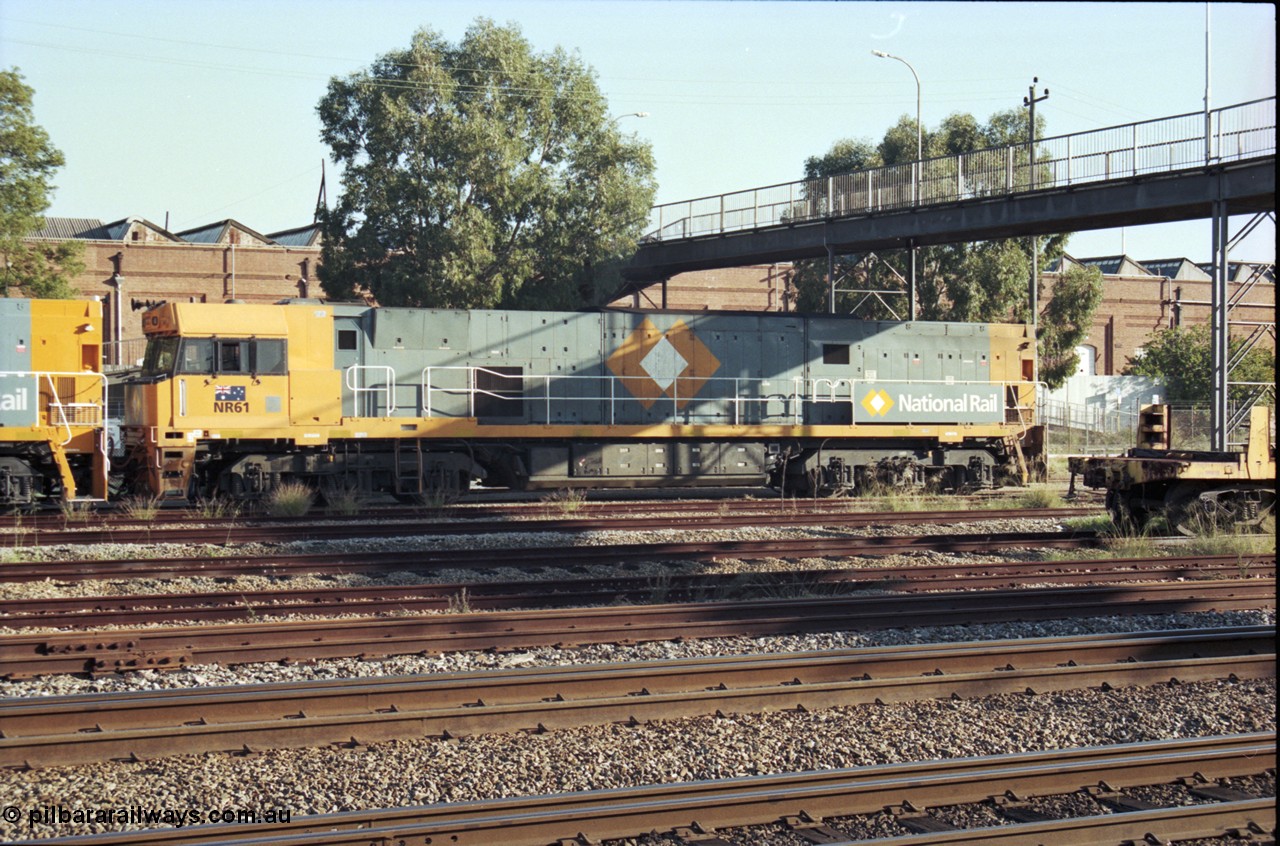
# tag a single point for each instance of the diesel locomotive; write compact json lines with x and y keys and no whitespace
{"x":53,"y":399}
{"x":235,"y":399}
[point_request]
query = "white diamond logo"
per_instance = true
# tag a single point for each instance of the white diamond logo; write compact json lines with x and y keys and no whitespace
{"x":663,"y":364}
{"x":877,"y":403}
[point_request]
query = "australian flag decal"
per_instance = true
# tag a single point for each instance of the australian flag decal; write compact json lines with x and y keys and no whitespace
{"x":228,"y":393}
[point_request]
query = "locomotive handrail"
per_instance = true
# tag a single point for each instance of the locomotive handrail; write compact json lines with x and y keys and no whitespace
{"x":357,"y":390}
{"x":824,"y":390}
{"x":55,"y":401}
{"x":471,"y":391}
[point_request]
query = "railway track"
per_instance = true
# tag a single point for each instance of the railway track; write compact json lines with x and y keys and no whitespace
{"x":224,"y":532}
{"x":810,"y":802}
{"x":52,"y":731}
{"x":485,"y":508}
{"x":224,"y":606}
{"x":423,"y":561}
{"x":25,"y":655}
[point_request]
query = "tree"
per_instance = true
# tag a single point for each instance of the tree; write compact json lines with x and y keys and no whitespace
{"x":479,"y":175}
{"x":1182,"y":359}
{"x":1064,"y":321}
{"x":973,"y":282}
{"x":28,"y":161}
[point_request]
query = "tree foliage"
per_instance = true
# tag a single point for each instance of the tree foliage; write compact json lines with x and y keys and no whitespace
{"x":480,"y":174}
{"x":973,"y":282}
{"x":28,"y":161}
{"x":1182,"y":359}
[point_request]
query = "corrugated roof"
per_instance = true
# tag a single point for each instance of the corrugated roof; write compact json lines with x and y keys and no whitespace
{"x":302,"y":236}
{"x":216,"y":233}
{"x":62,"y":228}
{"x":1182,"y":269}
{"x":120,"y":228}
{"x":210,"y":234}
{"x":87,"y":228}
{"x":1243,"y":271}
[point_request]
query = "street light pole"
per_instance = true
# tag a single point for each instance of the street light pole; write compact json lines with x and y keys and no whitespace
{"x":617,"y":118}
{"x":915,"y":180}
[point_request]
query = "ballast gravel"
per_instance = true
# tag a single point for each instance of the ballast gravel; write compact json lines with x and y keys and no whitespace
{"x":429,"y":770}
{"x":207,"y":675}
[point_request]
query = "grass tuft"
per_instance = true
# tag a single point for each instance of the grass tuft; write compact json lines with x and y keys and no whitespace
{"x":1038,"y":497}
{"x":76,"y":511}
{"x":141,"y":507}
{"x":290,"y":499}
{"x":565,"y":501}
{"x":344,"y":503}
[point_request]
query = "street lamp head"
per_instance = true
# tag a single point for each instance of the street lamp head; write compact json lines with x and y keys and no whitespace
{"x":882,"y":54}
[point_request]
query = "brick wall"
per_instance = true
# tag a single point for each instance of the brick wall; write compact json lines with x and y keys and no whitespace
{"x":163,"y":270}
{"x":764,"y":287}
{"x":1133,"y":307}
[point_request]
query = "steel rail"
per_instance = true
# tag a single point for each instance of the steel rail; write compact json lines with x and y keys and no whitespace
{"x":533,"y":556}
{"x":232,"y":532}
{"x":484,"y":509}
{"x":23,"y":655}
{"x":136,"y":609}
{"x":1242,"y":819}
{"x":85,"y":728}
{"x":758,"y":800}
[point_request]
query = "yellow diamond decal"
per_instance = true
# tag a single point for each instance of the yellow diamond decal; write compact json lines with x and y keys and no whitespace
{"x":877,"y":403}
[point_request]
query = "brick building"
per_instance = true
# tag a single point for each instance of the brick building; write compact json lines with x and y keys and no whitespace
{"x":1142,"y":297}
{"x":133,"y":261}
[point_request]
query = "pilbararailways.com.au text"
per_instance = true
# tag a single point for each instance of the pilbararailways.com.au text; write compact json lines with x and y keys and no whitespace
{"x":140,"y":815}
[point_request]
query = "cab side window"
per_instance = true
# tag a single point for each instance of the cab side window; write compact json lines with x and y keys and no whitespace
{"x":225,"y":355}
{"x":197,"y":356}
{"x":269,"y":357}
{"x":230,"y":357}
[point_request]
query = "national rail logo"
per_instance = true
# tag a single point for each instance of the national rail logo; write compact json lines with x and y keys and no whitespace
{"x":877,"y":403}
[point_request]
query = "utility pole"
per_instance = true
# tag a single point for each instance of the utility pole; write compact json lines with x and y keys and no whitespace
{"x":1034,"y":293}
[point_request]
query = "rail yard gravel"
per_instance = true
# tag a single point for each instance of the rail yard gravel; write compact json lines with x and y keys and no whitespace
{"x":429,"y":770}
{"x":213,"y":675}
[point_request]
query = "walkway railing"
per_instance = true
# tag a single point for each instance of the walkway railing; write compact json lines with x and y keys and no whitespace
{"x":1234,"y":133}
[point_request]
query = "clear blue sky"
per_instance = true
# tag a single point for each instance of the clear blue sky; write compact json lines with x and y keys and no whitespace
{"x":206,"y":110}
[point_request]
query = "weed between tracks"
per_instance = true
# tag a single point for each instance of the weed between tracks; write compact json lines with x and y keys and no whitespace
{"x":291,"y":499}
{"x":565,"y":502}
{"x":1128,"y":541}
{"x":141,"y":508}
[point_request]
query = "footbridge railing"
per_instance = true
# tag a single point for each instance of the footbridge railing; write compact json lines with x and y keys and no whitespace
{"x":1196,"y":139}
